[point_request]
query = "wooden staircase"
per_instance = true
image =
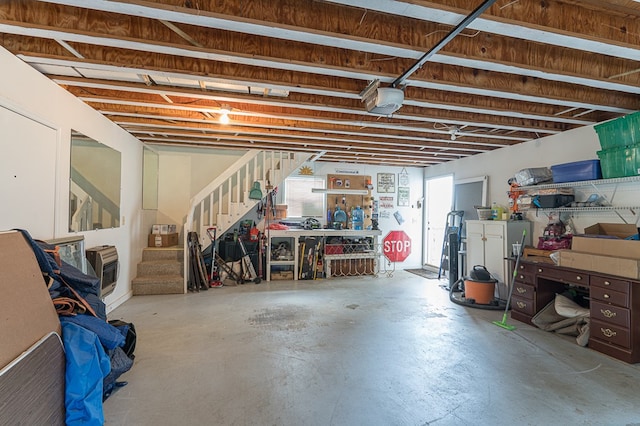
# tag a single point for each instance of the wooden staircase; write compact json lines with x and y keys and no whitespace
{"x":225,"y":201}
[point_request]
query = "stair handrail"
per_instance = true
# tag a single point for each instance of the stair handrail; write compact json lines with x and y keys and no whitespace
{"x":197,"y":199}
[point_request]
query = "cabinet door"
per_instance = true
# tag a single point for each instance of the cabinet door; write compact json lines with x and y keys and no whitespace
{"x":494,"y":249}
{"x":475,"y":244}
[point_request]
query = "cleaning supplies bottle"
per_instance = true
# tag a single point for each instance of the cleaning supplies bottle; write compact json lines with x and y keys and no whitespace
{"x":357,"y":218}
{"x":496,"y":211}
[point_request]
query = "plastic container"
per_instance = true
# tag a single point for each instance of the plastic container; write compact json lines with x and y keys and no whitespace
{"x":484,"y":213}
{"x":552,"y":201}
{"x":620,"y":162}
{"x":620,"y":132}
{"x":357,"y":219}
{"x":339,"y":215}
{"x":497,"y":211}
{"x":576,"y":171}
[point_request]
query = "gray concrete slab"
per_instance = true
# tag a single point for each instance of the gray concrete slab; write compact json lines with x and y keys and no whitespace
{"x":357,"y":351}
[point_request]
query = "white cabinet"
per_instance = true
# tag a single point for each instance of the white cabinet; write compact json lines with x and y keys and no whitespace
{"x":489,"y":243}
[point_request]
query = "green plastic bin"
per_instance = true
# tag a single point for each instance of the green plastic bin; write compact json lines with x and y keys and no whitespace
{"x":620,"y":162}
{"x":620,"y":132}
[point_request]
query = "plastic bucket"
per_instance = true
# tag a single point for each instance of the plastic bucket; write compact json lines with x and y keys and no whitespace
{"x":480,"y":291}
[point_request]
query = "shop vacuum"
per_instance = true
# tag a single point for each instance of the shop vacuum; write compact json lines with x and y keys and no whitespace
{"x":476,"y":291}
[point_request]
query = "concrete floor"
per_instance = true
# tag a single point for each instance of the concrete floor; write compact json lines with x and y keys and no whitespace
{"x":357,"y":351}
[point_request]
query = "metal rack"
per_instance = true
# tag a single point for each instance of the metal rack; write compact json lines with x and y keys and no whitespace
{"x":595,"y":184}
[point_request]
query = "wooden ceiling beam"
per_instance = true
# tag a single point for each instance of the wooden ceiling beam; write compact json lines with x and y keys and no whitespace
{"x":482,"y":51}
{"x":437,"y":105}
{"x":135,"y":122}
{"x":300,"y":110}
{"x":377,"y":29}
{"x":392,"y":129}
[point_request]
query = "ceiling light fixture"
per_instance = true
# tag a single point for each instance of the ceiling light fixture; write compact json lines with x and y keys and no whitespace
{"x":224,"y":114}
{"x":454,"y":133}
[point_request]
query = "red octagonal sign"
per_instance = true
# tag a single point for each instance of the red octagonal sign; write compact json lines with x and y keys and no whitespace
{"x":396,"y":246}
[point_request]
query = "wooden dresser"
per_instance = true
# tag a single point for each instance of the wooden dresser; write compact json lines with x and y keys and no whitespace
{"x":614,"y":304}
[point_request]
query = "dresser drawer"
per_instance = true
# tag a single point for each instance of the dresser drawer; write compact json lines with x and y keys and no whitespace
{"x":605,"y":295}
{"x":610,"y":333}
{"x":525,"y":277}
{"x":526,"y":306}
{"x":621,"y":286}
{"x":610,"y":314}
{"x":573,"y":277}
{"x":522,"y":290}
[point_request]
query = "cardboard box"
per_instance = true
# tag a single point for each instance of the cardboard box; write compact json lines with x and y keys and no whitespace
{"x":281,"y":275}
{"x":611,"y":244}
{"x":163,"y":240}
{"x":163,"y":229}
{"x":27,"y":311}
{"x":612,"y":265}
{"x":620,"y":230}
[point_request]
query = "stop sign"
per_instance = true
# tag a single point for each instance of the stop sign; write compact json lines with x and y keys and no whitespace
{"x":396,"y":246}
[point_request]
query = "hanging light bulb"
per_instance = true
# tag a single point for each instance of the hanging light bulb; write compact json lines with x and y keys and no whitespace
{"x":224,"y":114}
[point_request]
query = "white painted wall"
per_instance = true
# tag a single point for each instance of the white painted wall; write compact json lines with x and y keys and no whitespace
{"x":499,"y":165}
{"x":26,"y":91}
{"x":412,"y":215}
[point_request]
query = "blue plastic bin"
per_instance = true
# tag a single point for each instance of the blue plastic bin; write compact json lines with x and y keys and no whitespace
{"x":576,"y":171}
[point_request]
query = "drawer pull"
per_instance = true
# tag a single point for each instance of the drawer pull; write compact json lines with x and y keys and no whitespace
{"x":578,"y":278}
{"x":606,"y":296}
{"x":521,"y":266}
{"x":521,"y":305}
{"x":607,"y":313}
{"x":521,"y":277}
{"x":608,"y":332}
{"x":522,"y":290}
{"x":539,"y":270}
{"x":607,"y":283}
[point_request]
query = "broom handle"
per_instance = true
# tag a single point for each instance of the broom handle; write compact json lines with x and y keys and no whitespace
{"x":515,"y":271}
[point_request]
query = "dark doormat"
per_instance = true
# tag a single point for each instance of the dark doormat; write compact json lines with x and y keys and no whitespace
{"x":424,"y":273}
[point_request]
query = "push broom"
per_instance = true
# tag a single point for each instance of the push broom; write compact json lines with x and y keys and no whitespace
{"x":503,"y":323}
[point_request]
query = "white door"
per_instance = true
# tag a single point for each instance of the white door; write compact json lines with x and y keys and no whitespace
{"x":438,"y":203}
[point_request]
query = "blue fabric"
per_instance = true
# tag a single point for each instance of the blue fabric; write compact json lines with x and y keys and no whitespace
{"x":86,"y":367}
{"x":47,"y":264}
{"x":86,"y":285}
{"x":109,"y":336}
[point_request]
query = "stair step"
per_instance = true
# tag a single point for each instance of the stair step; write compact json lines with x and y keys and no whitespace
{"x":160,"y":267}
{"x":157,"y":284}
{"x":163,"y":253}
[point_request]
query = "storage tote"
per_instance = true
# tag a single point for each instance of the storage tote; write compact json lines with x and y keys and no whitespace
{"x":576,"y":171}
{"x":620,"y":162}
{"x":619,"y":132}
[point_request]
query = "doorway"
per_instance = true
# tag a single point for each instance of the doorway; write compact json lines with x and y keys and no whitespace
{"x":438,"y":203}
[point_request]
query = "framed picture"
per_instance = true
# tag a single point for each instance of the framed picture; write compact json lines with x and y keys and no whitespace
{"x":386,"y":182}
{"x":403,"y":196}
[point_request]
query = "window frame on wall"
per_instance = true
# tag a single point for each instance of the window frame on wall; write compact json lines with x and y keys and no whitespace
{"x":297,"y":194}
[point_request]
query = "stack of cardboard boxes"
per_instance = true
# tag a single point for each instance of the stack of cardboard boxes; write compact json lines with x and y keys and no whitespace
{"x":604,"y":248}
{"x":163,"y":236}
